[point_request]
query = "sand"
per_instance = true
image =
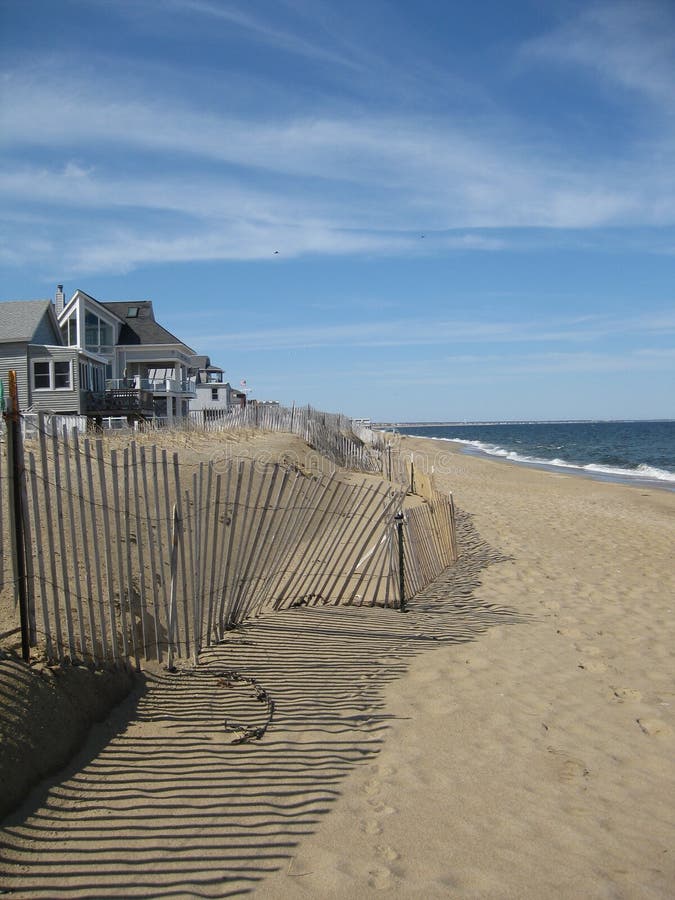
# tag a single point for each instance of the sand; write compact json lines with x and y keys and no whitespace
{"x":513,"y":735}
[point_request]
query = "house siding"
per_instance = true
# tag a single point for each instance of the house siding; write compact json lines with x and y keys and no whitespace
{"x":59,"y":401}
{"x":13,"y":356}
{"x":203,"y":399}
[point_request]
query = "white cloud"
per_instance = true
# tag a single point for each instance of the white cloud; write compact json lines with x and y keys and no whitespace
{"x":261,"y":30}
{"x":447,"y":176}
{"x":440,"y":332}
{"x":169,"y":178}
{"x":631,"y":44}
{"x":485,"y":368}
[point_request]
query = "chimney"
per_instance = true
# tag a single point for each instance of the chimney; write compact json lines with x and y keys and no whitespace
{"x":59,"y":300}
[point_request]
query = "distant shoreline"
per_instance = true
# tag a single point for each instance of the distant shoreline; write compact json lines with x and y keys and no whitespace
{"x":378,"y":425}
{"x":608,"y":477}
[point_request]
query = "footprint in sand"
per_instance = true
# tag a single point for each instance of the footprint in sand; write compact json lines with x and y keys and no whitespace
{"x":593,"y":666}
{"x":380,"y":808}
{"x":569,"y":632}
{"x":372,"y":787}
{"x":387,"y":852}
{"x":627,"y":694}
{"x":380,"y":878}
{"x":589,"y":650}
{"x":653,"y":727}
{"x":371,"y":827}
{"x":568,"y":768}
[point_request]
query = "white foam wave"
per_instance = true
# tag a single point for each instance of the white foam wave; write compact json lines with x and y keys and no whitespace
{"x":643,"y":471}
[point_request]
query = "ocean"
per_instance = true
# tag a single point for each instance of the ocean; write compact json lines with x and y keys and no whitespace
{"x":634,"y":452}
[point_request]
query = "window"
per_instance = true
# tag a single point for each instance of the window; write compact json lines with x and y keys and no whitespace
{"x":214,"y":393}
{"x":61,"y":375}
{"x":132,"y":312}
{"x":69,"y":331}
{"x":98,"y":335}
{"x":91,"y":377}
{"x":52,"y":375}
{"x":41,"y":376}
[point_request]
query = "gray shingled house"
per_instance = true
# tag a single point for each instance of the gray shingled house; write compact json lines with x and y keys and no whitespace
{"x":96,"y":359}
{"x":49,"y":375}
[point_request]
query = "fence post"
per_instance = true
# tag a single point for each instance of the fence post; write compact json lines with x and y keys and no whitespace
{"x":17,"y":473}
{"x":174,"y":576}
{"x":400,"y":518}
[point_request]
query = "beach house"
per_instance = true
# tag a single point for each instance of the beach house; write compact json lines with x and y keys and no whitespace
{"x":48,"y":372}
{"x":214,"y":395}
{"x":93,"y":358}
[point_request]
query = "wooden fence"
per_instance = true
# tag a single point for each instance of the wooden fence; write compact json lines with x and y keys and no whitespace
{"x":331,"y":434}
{"x":136,"y":553}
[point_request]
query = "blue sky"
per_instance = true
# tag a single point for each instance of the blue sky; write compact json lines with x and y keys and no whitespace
{"x":409,"y":211}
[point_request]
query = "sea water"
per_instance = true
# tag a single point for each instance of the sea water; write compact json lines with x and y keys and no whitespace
{"x":636,"y":452}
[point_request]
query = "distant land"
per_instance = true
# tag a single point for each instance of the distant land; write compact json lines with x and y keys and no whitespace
{"x":507,"y":422}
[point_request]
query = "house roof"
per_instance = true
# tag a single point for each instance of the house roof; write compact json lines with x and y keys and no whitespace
{"x":68,"y":304}
{"x":20,"y":319}
{"x":141,"y":328}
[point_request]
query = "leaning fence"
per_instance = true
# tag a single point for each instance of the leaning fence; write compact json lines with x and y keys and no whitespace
{"x":137,"y":553}
{"x":331,"y":434}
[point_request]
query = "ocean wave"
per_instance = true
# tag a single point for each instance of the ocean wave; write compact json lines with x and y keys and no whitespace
{"x":641,"y":472}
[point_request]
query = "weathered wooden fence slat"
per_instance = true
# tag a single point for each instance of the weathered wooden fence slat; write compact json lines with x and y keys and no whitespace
{"x":114,"y":502}
{"x":46,"y":497}
{"x":140,"y":542}
{"x":76,"y":553}
{"x":78,"y":483}
{"x":131,"y":590}
{"x":107,"y":543}
{"x":37,"y":537}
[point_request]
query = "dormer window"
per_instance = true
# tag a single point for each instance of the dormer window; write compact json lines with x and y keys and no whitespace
{"x":132,"y":312}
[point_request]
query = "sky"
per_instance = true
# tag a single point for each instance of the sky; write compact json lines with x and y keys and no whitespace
{"x":428,"y":211}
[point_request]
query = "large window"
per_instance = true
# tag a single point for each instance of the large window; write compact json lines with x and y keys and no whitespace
{"x":91,"y":377}
{"x":52,"y":375}
{"x":98,"y":335}
{"x":69,"y":330}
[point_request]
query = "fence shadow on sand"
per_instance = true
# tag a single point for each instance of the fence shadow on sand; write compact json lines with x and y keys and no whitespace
{"x":171,"y":805}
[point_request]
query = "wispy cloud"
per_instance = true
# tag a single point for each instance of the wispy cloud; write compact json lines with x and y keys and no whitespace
{"x":628,"y":43}
{"x":260,"y":29}
{"x":335,"y":185}
{"x":167,"y":177}
{"x":484,"y":368}
{"x":440,"y":332}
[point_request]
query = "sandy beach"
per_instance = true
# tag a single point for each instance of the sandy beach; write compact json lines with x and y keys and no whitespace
{"x":511,"y":736}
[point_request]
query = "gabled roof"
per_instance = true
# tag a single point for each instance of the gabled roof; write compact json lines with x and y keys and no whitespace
{"x":81,"y":293}
{"x":141,"y":328}
{"x":20,"y":320}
